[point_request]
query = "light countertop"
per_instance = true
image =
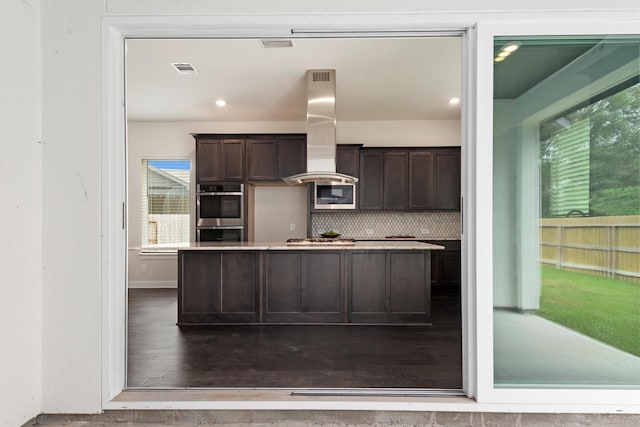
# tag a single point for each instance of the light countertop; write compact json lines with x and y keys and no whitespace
{"x":271,"y":246}
{"x":400,"y":239}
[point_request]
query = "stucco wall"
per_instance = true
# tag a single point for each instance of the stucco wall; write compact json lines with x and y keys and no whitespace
{"x":71,"y":290}
{"x":20,"y":212}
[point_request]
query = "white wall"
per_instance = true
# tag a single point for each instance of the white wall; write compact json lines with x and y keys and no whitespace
{"x":403,"y":133}
{"x":71,"y":295}
{"x":275,"y":209}
{"x":20,"y":212}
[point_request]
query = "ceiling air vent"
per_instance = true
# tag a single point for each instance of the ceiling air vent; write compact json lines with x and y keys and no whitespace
{"x":184,"y":68}
{"x":271,"y":43}
{"x":321,"y":76}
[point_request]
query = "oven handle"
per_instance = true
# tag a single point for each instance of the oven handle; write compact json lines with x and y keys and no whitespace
{"x":222,"y":193}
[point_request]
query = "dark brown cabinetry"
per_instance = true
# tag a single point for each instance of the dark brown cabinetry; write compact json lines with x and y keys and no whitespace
{"x":217,"y":287}
{"x":411,"y":179}
{"x":384,"y":180}
{"x":219,"y":159}
{"x":348,"y":159}
{"x":292,"y":156}
{"x":262,"y":155}
{"x":394,"y":181}
{"x":446,"y":178}
{"x":445,"y":264}
{"x":421,"y":188}
{"x":390,"y":287}
{"x":303,"y":287}
{"x":271,"y":158}
{"x":371,"y":180}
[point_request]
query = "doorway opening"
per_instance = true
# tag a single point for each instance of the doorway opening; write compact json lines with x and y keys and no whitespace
{"x":391,"y":93}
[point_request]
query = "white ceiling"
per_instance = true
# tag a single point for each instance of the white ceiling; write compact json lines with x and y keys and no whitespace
{"x":376,"y":79}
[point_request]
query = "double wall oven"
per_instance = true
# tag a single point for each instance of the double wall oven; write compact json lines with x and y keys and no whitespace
{"x":220,"y":212}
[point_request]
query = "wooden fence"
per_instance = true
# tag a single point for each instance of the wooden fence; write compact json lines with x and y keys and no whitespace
{"x":603,"y":246}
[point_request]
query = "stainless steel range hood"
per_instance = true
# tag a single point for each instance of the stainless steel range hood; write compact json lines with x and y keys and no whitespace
{"x":321,"y":131}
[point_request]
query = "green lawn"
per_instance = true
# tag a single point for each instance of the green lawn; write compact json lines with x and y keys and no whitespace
{"x":605,"y":309}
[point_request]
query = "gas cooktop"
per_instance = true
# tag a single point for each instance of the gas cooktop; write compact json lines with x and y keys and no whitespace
{"x":320,"y":241}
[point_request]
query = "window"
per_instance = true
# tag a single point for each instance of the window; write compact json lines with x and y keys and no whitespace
{"x":165,"y":202}
{"x":566,"y":204}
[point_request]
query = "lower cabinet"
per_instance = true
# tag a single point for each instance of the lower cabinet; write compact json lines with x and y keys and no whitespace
{"x":445,"y":264}
{"x":304,"y":287}
{"x":218,"y":287}
{"x":390,"y":287}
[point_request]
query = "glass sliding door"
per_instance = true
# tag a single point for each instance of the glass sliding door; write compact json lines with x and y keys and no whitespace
{"x":566,"y":203}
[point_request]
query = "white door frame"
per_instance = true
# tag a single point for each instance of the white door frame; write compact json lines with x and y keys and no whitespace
{"x":476,"y":185}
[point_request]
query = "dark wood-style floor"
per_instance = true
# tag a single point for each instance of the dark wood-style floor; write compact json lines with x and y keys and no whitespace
{"x":162,"y":355}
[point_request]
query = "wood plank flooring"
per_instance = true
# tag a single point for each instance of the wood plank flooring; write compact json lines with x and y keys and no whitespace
{"x":162,"y":355}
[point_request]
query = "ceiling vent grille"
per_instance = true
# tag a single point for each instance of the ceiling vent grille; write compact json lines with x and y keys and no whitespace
{"x":321,"y":76}
{"x":270,"y":43}
{"x":184,"y":68}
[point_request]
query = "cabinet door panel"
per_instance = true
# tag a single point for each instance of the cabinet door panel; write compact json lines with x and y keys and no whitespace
{"x":368,"y":282}
{"x":238,"y":284}
{"x":447,"y":180}
{"x":200,"y":279}
{"x":449,"y":267}
{"x":421,"y":190}
{"x":322,"y":285}
{"x":261,"y":160}
{"x":208,"y":160}
{"x":283,"y":282}
{"x":292,"y":157}
{"x":370,"y":184}
{"x":232,"y":160}
{"x":348,"y":160}
{"x":408,"y":283}
{"x":395,"y":188}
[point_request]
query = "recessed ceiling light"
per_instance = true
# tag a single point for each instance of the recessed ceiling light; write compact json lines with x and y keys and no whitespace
{"x":504,"y":54}
{"x":271,"y":43}
{"x":221,"y":102}
{"x":454,"y":101}
{"x":184,"y":68}
{"x":511,"y":47}
{"x":499,"y":58}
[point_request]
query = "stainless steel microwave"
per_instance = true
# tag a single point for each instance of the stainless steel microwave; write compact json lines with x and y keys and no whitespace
{"x":334,"y":196}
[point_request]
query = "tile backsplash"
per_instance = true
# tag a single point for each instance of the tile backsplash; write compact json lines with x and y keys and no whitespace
{"x":381,"y":224}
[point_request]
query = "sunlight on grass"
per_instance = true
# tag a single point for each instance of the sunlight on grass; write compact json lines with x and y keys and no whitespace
{"x":605,"y":309}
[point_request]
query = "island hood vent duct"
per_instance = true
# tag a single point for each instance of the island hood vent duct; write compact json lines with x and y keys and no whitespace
{"x":321,"y":132}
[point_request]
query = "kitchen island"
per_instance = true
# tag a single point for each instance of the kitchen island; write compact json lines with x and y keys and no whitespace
{"x":377,"y":282}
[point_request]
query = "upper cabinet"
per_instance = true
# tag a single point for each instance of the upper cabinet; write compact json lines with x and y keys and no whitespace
{"x":447,"y":179}
{"x":410,"y":179}
{"x":262,"y":155}
{"x":266,"y":158}
{"x":421,"y":188}
{"x":348,"y":159}
{"x":370,"y":184}
{"x":219,"y":159}
{"x":395,"y":179}
{"x":383,"y":180}
{"x":271,"y":158}
{"x":292,"y":155}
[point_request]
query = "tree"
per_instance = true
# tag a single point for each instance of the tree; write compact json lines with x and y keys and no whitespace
{"x":614,"y":163}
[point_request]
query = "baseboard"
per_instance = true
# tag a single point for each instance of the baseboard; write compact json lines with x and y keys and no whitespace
{"x":146,"y":284}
